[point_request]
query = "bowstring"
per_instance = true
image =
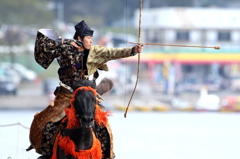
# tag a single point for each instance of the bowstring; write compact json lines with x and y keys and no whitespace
{"x":126,"y":61}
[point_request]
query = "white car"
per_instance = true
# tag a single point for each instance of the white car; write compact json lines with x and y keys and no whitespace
{"x":9,"y":81}
{"x":25,"y":73}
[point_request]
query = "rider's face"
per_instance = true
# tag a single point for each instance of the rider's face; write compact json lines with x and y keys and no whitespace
{"x":87,"y":42}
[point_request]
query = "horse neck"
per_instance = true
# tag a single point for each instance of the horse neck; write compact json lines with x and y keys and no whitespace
{"x":82,"y":137}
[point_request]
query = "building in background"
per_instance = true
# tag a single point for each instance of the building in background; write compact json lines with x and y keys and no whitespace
{"x":192,"y":26}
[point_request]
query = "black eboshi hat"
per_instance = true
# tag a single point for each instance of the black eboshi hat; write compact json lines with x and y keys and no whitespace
{"x":82,"y":30}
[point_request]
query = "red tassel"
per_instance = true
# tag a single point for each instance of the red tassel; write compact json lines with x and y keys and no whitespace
{"x":69,"y":148}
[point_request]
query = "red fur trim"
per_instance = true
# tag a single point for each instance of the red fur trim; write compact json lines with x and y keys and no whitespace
{"x":69,"y":148}
{"x":85,"y":88}
{"x":71,"y":116}
{"x":101,"y":117}
{"x":68,"y":145}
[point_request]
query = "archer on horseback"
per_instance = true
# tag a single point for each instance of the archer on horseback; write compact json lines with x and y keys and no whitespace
{"x":78,"y":59}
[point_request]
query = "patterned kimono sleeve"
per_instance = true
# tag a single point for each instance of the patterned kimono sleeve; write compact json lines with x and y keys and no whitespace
{"x":46,"y":49}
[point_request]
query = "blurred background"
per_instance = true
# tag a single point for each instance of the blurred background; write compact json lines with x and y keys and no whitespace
{"x":172,"y":79}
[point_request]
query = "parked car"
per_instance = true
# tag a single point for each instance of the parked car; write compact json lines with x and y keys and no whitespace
{"x":9,"y":82}
{"x":8,"y":87}
{"x":25,"y":73}
{"x":11,"y":75}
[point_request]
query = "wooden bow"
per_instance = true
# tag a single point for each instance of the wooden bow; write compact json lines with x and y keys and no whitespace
{"x":139,"y":40}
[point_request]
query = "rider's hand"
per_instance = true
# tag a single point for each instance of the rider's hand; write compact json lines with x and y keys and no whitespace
{"x":79,"y":48}
{"x":138,"y":48}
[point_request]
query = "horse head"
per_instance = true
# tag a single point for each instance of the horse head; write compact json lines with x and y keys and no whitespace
{"x":81,"y":115}
{"x":84,"y":102}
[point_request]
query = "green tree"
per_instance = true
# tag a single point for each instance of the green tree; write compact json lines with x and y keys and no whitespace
{"x":25,"y":13}
{"x":18,"y":18}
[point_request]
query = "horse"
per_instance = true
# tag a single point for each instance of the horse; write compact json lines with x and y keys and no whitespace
{"x":76,"y":139}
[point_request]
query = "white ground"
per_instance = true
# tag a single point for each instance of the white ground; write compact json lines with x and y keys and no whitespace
{"x":145,"y":135}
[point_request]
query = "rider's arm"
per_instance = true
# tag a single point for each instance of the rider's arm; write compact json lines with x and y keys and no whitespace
{"x":104,"y":54}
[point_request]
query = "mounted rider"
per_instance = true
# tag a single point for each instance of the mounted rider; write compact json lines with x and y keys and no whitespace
{"x":77,"y":59}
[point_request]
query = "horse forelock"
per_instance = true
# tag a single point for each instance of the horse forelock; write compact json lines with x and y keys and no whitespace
{"x":85,"y":88}
{"x":85,"y":101}
{"x":77,"y":94}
